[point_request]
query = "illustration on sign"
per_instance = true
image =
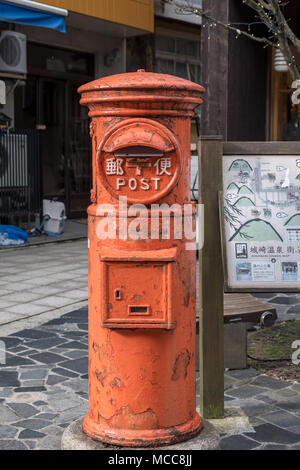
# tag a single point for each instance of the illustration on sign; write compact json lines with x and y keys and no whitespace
{"x":262,"y":220}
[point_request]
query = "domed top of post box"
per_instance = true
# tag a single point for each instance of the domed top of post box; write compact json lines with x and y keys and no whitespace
{"x":141,"y":93}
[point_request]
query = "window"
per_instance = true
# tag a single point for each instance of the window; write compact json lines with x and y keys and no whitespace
{"x":178,"y":56}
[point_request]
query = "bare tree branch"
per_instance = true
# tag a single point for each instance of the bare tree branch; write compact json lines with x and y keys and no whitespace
{"x":279,"y":35}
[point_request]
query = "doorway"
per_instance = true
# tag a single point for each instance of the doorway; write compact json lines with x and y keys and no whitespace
{"x":52,"y":106}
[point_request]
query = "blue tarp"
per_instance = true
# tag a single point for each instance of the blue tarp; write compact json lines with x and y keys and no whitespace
{"x":11,"y":235}
{"x":25,"y":15}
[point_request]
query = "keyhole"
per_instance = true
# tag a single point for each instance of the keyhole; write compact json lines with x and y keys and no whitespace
{"x":117,"y":294}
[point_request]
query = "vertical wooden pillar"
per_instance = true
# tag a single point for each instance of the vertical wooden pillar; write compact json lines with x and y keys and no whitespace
{"x":214,"y":70}
{"x":211,"y":321}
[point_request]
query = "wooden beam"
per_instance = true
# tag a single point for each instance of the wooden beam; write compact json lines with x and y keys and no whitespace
{"x":261,"y":148}
{"x":214,"y":70}
{"x":211,"y":321}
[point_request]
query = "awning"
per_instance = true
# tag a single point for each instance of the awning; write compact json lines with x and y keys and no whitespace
{"x":33,"y":14}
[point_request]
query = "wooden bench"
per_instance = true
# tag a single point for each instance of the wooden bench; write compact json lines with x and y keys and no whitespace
{"x":247,"y":309}
{"x":240,"y":310}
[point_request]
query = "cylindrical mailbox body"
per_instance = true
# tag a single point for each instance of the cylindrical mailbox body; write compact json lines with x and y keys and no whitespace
{"x":141,"y":286}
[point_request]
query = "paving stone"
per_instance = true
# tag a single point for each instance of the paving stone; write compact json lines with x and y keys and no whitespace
{"x":77,"y":385}
{"x":83,"y":326}
{"x":8,"y":317}
{"x":7,"y":432}
{"x":39,"y":403}
{"x":48,"y":358}
{"x":53,"y":430}
{"x":75,"y":345}
{"x":50,"y":443}
{"x":28,"y":309}
{"x":282,"y":419}
{"x":45,"y":343}
{"x":6,"y":392}
{"x":48,"y":416}
{"x":32,"y":374}
{"x":12,"y":445}
{"x":244,"y":392}
{"x":53,"y":302}
{"x":34,"y":334}
{"x":295,"y":429}
{"x":296,"y":387}
{"x":66,"y":417}
{"x":33,"y":424}
{"x":29,"y":389}
{"x":269,"y":382}
{"x":55,"y":379}
{"x":226,"y":398}
{"x":10,"y":342}
{"x":287,"y":392}
{"x":77,"y":365}
{"x":30,"y":434}
{"x":23,"y":409}
{"x":74,"y":334}
{"x":266,"y":399}
{"x":6,"y":414}
{"x":253,"y":407}
{"x":12,"y":361}
{"x":21,"y":297}
{"x":64,"y":402}
{"x":274,"y":447}
{"x":30,"y":444}
{"x":78,"y":354}
{"x":288,"y":300}
{"x":238,"y":442}
{"x":9,"y":379}
{"x":292,"y":404}
{"x":80,"y":314}
{"x":293,"y":309}
{"x":46,"y":290}
{"x":64,"y":372}
{"x":273,"y":434}
{"x":6,"y":303}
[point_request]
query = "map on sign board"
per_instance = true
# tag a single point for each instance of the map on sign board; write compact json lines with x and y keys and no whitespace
{"x":262,"y":221}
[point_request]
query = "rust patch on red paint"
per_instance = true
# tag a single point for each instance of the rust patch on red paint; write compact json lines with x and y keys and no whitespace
{"x":101,"y":376}
{"x":116,"y":383}
{"x":181,"y":364}
{"x":125,"y":418}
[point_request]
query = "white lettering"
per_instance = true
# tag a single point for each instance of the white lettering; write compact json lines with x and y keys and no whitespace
{"x":120,"y":182}
{"x":296,"y":94}
{"x":133,"y":184}
{"x":145,"y":184}
{"x":156,"y":183}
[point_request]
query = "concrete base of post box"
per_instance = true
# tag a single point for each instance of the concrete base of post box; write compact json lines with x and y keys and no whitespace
{"x":74,"y":439}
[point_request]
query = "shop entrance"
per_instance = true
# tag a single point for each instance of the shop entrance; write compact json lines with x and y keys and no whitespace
{"x":49,"y":101}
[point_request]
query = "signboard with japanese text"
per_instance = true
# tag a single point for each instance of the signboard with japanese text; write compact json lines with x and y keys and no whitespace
{"x":262,"y":221}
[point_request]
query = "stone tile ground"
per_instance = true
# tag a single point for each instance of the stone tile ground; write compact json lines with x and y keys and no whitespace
{"x":44,"y":387}
{"x":35,"y":281}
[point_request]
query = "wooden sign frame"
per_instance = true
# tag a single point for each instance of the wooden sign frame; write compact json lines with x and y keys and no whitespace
{"x":259,"y":149}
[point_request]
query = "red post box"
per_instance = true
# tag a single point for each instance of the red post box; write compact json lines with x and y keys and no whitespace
{"x":141,"y":289}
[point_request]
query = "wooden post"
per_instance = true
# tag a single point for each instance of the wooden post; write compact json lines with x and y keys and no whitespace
{"x":211,"y":321}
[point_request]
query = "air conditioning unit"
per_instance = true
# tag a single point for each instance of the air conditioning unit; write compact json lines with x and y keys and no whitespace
{"x":13,"y":53}
{"x":13,"y":161}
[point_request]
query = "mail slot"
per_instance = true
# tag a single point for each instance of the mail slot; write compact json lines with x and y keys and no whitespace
{"x":141,"y":288}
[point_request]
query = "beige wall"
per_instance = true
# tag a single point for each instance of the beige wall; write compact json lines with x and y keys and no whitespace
{"x":134,"y":13}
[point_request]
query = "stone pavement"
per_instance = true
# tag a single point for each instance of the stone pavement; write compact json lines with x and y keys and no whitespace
{"x":44,"y":387}
{"x":41,"y":282}
{"x":287,"y":305}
